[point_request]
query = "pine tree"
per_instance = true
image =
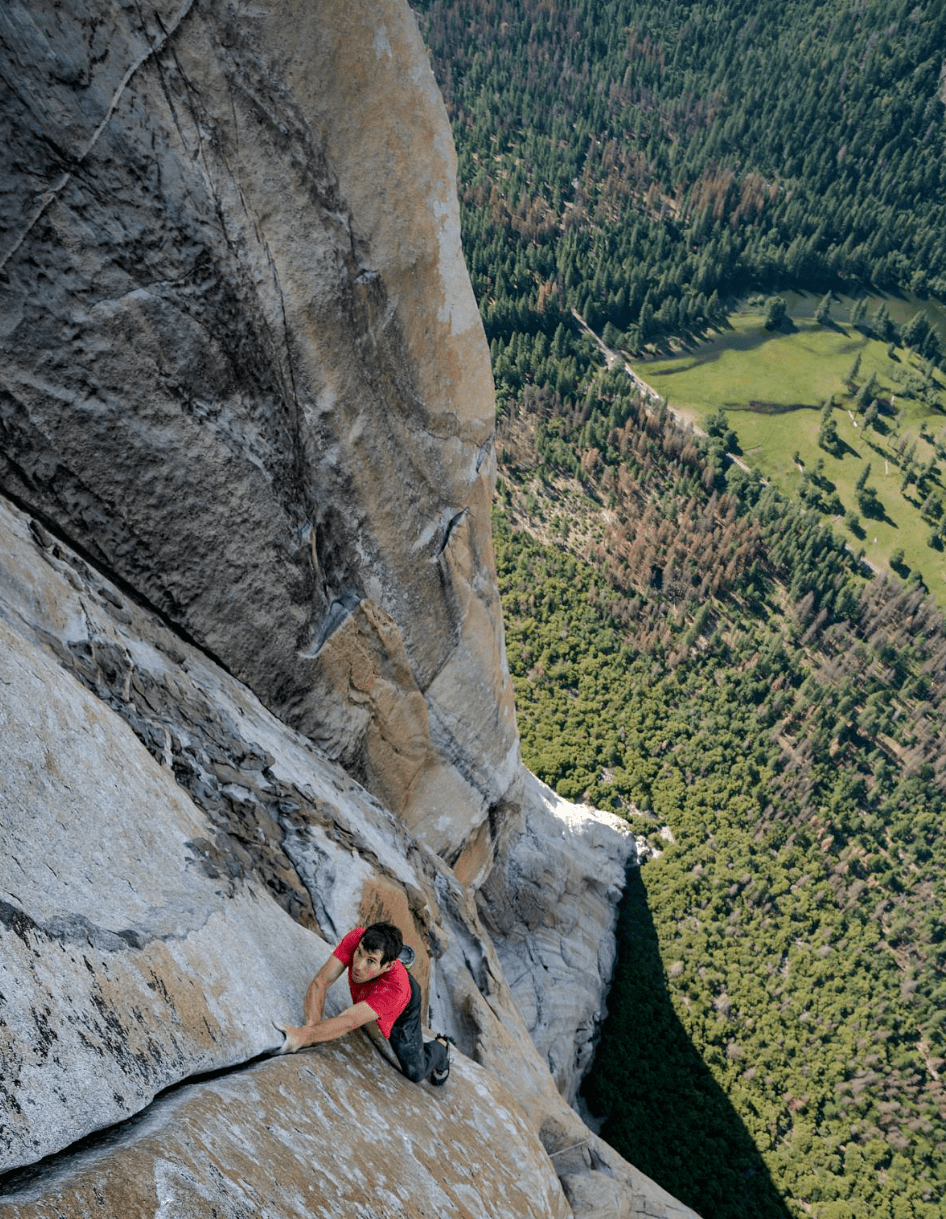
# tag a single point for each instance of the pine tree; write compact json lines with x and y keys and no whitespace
{"x":828,"y":438}
{"x":866,"y":396}
{"x":776,"y":308}
{"x":916,"y":331}
{"x":881,"y":322}
{"x":645,"y":321}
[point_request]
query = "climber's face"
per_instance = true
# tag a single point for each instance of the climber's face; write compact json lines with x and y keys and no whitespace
{"x":366,"y":965}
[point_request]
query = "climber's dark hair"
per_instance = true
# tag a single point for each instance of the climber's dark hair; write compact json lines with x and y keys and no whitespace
{"x":384,"y":938}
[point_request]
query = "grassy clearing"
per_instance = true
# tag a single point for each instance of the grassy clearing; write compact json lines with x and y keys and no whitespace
{"x":774,"y":386}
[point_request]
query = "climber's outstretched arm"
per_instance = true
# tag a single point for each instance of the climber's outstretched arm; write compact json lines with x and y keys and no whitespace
{"x":326,"y":1030}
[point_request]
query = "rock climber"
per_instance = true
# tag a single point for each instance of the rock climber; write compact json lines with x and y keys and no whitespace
{"x":382,"y":991}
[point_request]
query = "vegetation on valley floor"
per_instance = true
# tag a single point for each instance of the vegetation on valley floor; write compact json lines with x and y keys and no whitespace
{"x":645,"y":164}
{"x":691,"y":648}
{"x":695,"y":652}
{"x":838,"y":416}
{"x":641,"y":160}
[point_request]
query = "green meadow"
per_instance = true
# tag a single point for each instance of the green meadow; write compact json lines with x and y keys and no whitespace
{"x":774,"y":386}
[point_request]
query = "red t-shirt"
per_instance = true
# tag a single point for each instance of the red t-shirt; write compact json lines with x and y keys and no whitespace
{"x":388,"y":994}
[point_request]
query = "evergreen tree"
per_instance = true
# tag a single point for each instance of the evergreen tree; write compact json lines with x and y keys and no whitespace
{"x":828,"y":438}
{"x":867,"y":392}
{"x":916,"y":331}
{"x":882,"y":323}
{"x":776,"y":310}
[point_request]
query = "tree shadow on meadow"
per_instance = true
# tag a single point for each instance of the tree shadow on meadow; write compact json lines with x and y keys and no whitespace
{"x":665,"y":1112}
{"x":714,"y":349}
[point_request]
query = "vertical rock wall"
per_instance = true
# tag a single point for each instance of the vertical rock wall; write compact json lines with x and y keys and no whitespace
{"x":176,"y":864}
{"x":242,"y":367}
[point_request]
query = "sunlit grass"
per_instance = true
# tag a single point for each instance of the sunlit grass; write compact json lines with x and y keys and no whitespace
{"x":774,"y":386}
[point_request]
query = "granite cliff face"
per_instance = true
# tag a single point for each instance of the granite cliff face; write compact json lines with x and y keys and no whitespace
{"x":252,"y":681}
{"x":243,"y":368}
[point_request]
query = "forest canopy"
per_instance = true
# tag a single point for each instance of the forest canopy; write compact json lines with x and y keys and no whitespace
{"x":639,"y":160}
{"x":690,"y":648}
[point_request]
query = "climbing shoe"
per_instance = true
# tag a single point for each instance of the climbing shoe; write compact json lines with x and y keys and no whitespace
{"x":439,"y":1078}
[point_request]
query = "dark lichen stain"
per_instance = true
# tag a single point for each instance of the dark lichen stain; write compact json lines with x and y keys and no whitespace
{"x":18,"y":921}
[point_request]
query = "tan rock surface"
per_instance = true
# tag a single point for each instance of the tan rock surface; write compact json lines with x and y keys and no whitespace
{"x":160,"y":828}
{"x":242,"y":366}
{"x":129,"y":958}
{"x":328,"y":1134}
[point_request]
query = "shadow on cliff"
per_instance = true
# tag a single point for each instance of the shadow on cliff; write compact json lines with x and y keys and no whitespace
{"x":665,"y":1112}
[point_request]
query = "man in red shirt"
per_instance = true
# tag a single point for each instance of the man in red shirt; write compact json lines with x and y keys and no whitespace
{"x":381,"y":990}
